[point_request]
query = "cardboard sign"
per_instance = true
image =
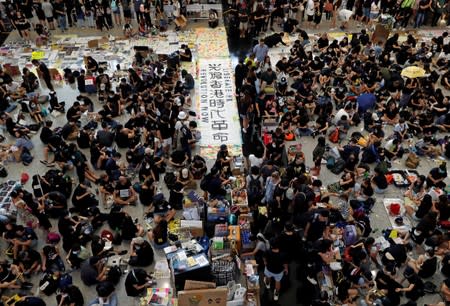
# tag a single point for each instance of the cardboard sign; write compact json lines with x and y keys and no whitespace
{"x":203,"y":297}
{"x":191,"y":285}
{"x":381,"y":33}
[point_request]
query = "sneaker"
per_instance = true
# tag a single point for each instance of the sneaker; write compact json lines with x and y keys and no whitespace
{"x":312,"y":280}
{"x":276,"y":295}
{"x":267,"y":285}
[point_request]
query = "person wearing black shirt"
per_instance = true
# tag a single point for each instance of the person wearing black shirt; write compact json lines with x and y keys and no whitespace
{"x":379,"y":181}
{"x":45,"y":72}
{"x":124,"y":194}
{"x":415,"y":290}
{"x":240,"y":72}
{"x":178,"y":158}
{"x":29,"y":262}
{"x":274,"y":39}
{"x":93,"y":271}
{"x":141,"y":253}
{"x":136,"y":282}
{"x":276,"y":266}
{"x":74,"y":112}
{"x":185,"y":54}
{"x":82,"y":198}
{"x":437,"y":176}
{"x":91,"y":65}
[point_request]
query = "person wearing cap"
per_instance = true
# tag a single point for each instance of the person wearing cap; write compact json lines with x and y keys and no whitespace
{"x":188,"y":80}
{"x":141,"y":253}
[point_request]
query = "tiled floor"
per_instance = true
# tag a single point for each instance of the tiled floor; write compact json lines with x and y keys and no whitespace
{"x":68,"y":93}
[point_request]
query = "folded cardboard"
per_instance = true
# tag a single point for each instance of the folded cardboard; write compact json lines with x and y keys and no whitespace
{"x":192,"y":285}
{"x":203,"y":297}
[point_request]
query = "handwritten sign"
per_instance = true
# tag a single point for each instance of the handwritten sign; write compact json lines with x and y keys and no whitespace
{"x":217,"y":108}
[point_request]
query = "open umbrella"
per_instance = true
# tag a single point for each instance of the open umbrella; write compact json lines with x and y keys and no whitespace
{"x":413,"y":72}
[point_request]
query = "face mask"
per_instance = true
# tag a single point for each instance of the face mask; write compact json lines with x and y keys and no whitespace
{"x":76,"y":252}
{"x":137,"y":247}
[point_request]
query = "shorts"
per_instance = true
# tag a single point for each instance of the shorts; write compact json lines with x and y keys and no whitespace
{"x":127,"y":13}
{"x":310,"y":18}
{"x":116,"y":12}
{"x":374,"y":16}
{"x":243,"y":26}
{"x":167,"y":142}
{"x":366,"y":12}
{"x":276,"y":277}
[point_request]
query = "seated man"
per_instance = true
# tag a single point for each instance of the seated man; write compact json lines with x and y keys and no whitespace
{"x":21,"y":238}
{"x":29,"y":262}
{"x":189,"y":82}
{"x":178,"y":159}
{"x":185,"y":53}
{"x":124,"y":194}
{"x":93,"y":271}
{"x":8,"y":276}
{"x":137,"y":282}
{"x":83,"y":197}
{"x":141,"y":253}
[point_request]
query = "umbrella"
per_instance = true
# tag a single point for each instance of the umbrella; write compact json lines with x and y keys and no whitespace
{"x":413,"y":72}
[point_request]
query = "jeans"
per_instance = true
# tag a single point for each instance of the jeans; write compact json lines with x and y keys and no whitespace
{"x":420,"y":18}
{"x":62,"y":22}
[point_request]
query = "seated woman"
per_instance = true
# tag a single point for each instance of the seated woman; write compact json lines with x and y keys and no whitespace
{"x":414,"y":195}
{"x":391,"y":113}
{"x":198,"y":167}
{"x":91,"y":65}
{"x":425,"y":265}
{"x":128,"y":30}
{"x":186,"y":178}
{"x":35,"y":111}
{"x":14,"y":152}
{"x":29,"y":80}
{"x":159,"y":235}
{"x":142,"y":28}
{"x":379,"y":181}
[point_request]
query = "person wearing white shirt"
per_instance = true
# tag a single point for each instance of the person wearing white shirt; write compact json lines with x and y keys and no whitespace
{"x":309,"y":10}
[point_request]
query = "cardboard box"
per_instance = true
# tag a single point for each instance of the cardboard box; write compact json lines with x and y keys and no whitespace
{"x":191,"y":285}
{"x":181,"y":21}
{"x":203,"y":297}
{"x":93,"y":44}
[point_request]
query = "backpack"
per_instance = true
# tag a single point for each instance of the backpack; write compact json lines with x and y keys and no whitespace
{"x":330,"y":162}
{"x":53,"y":238}
{"x":3,"y":171}
{"x":412,"y":161}
{"x":26,"y":157}
{"x":339,"y":166}
{"x":430,"y":288}
{"x":65,"y":281}
{"x":350,"y":234}
{"x":114,"y":274}
{"x":334,"y":136}
{"x":170,"y":180}
{"x":48,"y":284}
{"x":204,"y":184}
{"x":254,"y":188}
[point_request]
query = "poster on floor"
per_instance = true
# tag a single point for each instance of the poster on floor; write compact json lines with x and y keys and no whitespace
{"x":217,"y":107}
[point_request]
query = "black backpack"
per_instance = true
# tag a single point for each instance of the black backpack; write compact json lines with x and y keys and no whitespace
{"x":114,"y":274}
{"x":254,"y":188}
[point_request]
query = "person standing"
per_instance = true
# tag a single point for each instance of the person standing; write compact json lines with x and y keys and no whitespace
{"x":260,"y":50}
{"x":45,"y":72}
{"x":60,"y":13}
{"x":424,"y":7}
{"x":47,"y":7}
{"x":276,"y":266}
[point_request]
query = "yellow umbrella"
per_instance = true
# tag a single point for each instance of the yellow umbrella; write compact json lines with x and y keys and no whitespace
{"x":413,"y":72}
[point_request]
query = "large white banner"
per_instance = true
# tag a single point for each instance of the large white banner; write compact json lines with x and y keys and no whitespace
{"x":217,"y":108}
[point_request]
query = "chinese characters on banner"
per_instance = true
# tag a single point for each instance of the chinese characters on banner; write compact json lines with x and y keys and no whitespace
{"x":217,"y":108}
